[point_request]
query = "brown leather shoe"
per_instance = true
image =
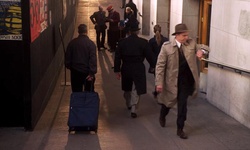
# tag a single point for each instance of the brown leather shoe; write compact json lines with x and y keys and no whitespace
{"x":181,"y":134}
{"x":133,"y":115}
{"x":162,"y":121}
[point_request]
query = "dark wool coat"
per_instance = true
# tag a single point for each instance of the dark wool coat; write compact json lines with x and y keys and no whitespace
{"x":154,"y":46}
{"x":129,"y":60}
{"x":113,"y":25}
{"x":99,"y":19}
{"x":133,"y":7}
{"x":81,"y":55}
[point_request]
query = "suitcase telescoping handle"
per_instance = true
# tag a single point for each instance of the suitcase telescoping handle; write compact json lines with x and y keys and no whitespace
{"x":89,"y":85}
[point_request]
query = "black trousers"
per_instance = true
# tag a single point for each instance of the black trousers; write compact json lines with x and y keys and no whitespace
{"x":113,"y":37}
{"x":100,"y":38}
{"x":78,"y":80}
{"x":182,"y":96}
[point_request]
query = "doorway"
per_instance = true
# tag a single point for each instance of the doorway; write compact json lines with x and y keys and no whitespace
{"x":204,"y":28}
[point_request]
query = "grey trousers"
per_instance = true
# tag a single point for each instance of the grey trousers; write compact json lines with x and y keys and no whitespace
{"x":132,"y":99}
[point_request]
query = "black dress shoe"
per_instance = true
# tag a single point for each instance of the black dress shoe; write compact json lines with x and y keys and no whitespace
{"x":181,"y":134}
{"x":133,"y":115}
{"x":155,"y":94}
{"x":162,"y":121}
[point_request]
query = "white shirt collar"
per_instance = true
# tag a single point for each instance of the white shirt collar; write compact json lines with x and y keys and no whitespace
{"x":178,"y":43}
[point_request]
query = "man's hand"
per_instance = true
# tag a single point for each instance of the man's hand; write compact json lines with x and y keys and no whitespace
{"x":151,"y":70}
{"x":118,"y":75}
{"x":199,"y":54}
{"x":90,"y":77}
{"x":159,"y":88}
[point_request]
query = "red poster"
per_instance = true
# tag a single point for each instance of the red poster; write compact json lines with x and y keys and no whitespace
{"x":34,"y":19}
{"x":38,"y":17}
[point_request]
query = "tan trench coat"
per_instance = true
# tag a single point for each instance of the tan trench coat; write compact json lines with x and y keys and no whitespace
{"x":167,"y":70}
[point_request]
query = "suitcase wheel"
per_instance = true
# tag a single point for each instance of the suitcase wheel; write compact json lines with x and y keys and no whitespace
{"x":71,"y":129}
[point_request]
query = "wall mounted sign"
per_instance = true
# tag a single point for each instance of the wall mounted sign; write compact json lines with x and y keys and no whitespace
{"x":10,"y":20}
{"x":38,"y":17}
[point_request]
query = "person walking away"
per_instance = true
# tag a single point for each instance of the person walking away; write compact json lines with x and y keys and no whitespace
{"x":156,"y":43}
{"x":81,"y":60}
{"x":132,"y":5}
{"x":113,"y":31}
{"x":177,"y":75}
{"x":129,"y":19}
{"x":98,"y":18}
{"x":129,"y":67}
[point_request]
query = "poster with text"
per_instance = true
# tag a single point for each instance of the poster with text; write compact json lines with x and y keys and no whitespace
{"x":10,"y":20}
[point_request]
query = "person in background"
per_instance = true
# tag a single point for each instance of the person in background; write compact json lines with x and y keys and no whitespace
{"x":81,"y":60}
{"x":129,"y":67}
{"x":156,"y":43}
{"x":132,"y":5}
{"x":129,"y":19}
{"x":98,"y":18}
{"x":113,"y":31}
{"x":177,"y":75}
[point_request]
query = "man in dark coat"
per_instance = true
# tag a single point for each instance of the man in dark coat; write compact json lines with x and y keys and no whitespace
{"x":129,"y":67}
{"x":132,"y":5}
{"x":98,"y":18}
{"x":113,"y":31}
{"x":130,"y":19}
{"x":81,"y":59}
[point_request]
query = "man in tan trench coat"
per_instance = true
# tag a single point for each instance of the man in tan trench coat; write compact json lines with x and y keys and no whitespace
{"x":177,"y":75}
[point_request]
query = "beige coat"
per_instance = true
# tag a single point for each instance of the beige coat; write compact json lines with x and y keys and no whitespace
{"x":167,"y":70}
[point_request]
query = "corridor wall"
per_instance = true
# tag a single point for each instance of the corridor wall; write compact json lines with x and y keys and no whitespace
{"x":31,"y":64}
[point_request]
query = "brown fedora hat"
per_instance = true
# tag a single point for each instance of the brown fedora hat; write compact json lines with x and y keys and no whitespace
{"x":180,"y":28}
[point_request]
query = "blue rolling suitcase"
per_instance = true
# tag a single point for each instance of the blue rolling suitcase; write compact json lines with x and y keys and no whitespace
{"x":83,"y":111}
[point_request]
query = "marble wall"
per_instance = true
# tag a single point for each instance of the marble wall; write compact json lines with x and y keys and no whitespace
{"x":175,"y":15}
{"x":159,"y":13}
{"x":190,"y":17}
{"x":229,"y":43}
{"x":163,"y":16}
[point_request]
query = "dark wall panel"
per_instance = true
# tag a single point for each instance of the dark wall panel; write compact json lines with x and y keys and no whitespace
{"x":11,"y":83}
{"x":30,"y":70}
{"x":43,"y":52}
